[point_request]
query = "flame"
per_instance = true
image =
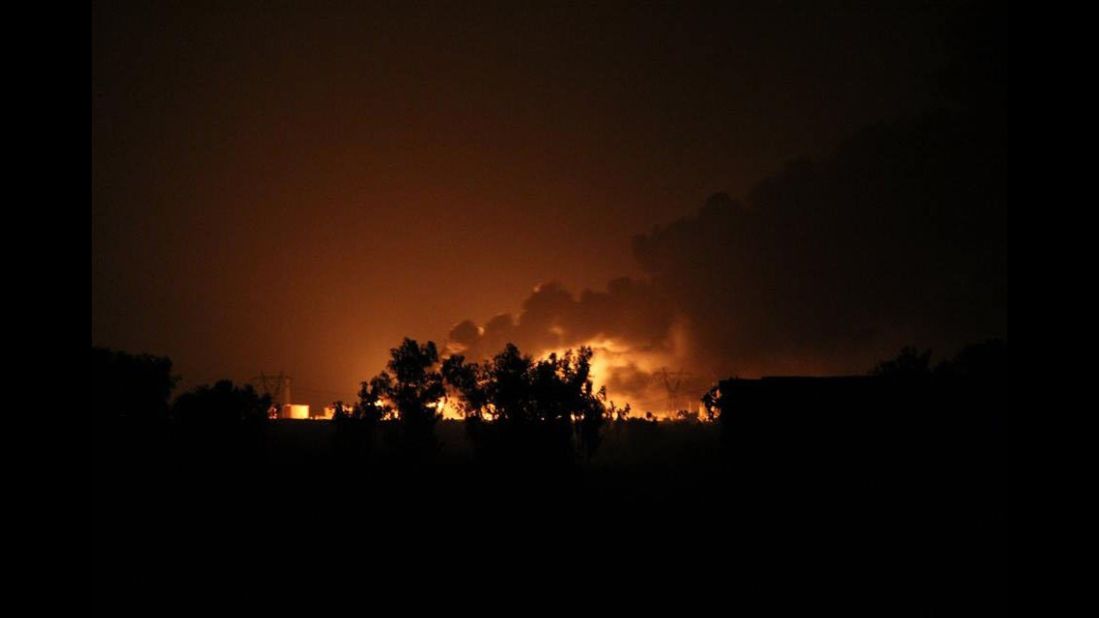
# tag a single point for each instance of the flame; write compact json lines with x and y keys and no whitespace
{"x":613,"y":357}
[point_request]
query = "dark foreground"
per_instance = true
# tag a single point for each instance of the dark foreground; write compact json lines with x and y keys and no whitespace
{"x":902,"y":510}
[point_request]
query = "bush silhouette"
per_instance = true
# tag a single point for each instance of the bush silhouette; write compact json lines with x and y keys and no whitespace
{"x":134,"y":388}
{"x":223,"y":405}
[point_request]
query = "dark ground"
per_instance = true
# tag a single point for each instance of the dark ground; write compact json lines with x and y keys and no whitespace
{"x":908,"y":515}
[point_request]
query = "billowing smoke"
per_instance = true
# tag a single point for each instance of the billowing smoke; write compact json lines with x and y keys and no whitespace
{"x":898,"y":237}
{"x":635,"y":330}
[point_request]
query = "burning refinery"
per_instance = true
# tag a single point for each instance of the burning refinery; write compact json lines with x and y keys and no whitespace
{"x":639,"y":378}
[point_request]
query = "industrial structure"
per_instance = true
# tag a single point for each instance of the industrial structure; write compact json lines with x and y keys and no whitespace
{"x":277,"y":387}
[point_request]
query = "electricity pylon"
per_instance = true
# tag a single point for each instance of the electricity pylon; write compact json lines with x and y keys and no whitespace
{"x":275,"y":386}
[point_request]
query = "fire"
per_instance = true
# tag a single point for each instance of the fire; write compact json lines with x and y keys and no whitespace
{"x":612,"y":357}
{"x":296,"y":411}
{"x":645,"y":378}
{"x":450,"y":410}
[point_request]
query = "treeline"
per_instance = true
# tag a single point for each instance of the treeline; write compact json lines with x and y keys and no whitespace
{"x":905,"y":466}
{"x":514,"y":406}
{"x":137,"y":388}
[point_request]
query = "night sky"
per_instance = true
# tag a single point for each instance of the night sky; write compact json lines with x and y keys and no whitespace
{"x":786,"y":189}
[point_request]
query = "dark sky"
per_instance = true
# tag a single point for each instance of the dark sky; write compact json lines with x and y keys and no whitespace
{"x":296,"y":187}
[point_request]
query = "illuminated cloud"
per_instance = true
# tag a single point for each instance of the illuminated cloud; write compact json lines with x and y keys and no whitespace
{"x":897,"y":237}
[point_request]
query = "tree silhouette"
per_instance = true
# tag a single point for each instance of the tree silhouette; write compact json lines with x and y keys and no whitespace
{"x":354,"y":427}
{"x":686,"y":416}
{"x":134,"y":388}
{"x":534,"y":407}
{"x":616,"y":414}
{"x":910,"y":363}
{"x":984,"y":360}
{"x":508,"y":388}
{"x":470,"y":382}
{"x":222,"y":423}
{"x":222,"y":405}
{"x":590,"y":409}
{"x":413,"y":390}
{"x":373,"y":405}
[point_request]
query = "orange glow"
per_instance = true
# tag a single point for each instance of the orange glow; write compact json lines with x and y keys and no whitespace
{"x":295,"y":411}
{"x":609,"y":355}
{"x":648,"y":391}
{"x":644,"y":388}
{"x":450,"y":410}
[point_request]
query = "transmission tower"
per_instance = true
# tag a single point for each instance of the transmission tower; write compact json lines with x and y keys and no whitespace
{"x":673,"y":383}
{"x":275,"y":386}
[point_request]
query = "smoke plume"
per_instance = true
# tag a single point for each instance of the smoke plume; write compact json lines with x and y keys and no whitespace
{"x":897,"y":237}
